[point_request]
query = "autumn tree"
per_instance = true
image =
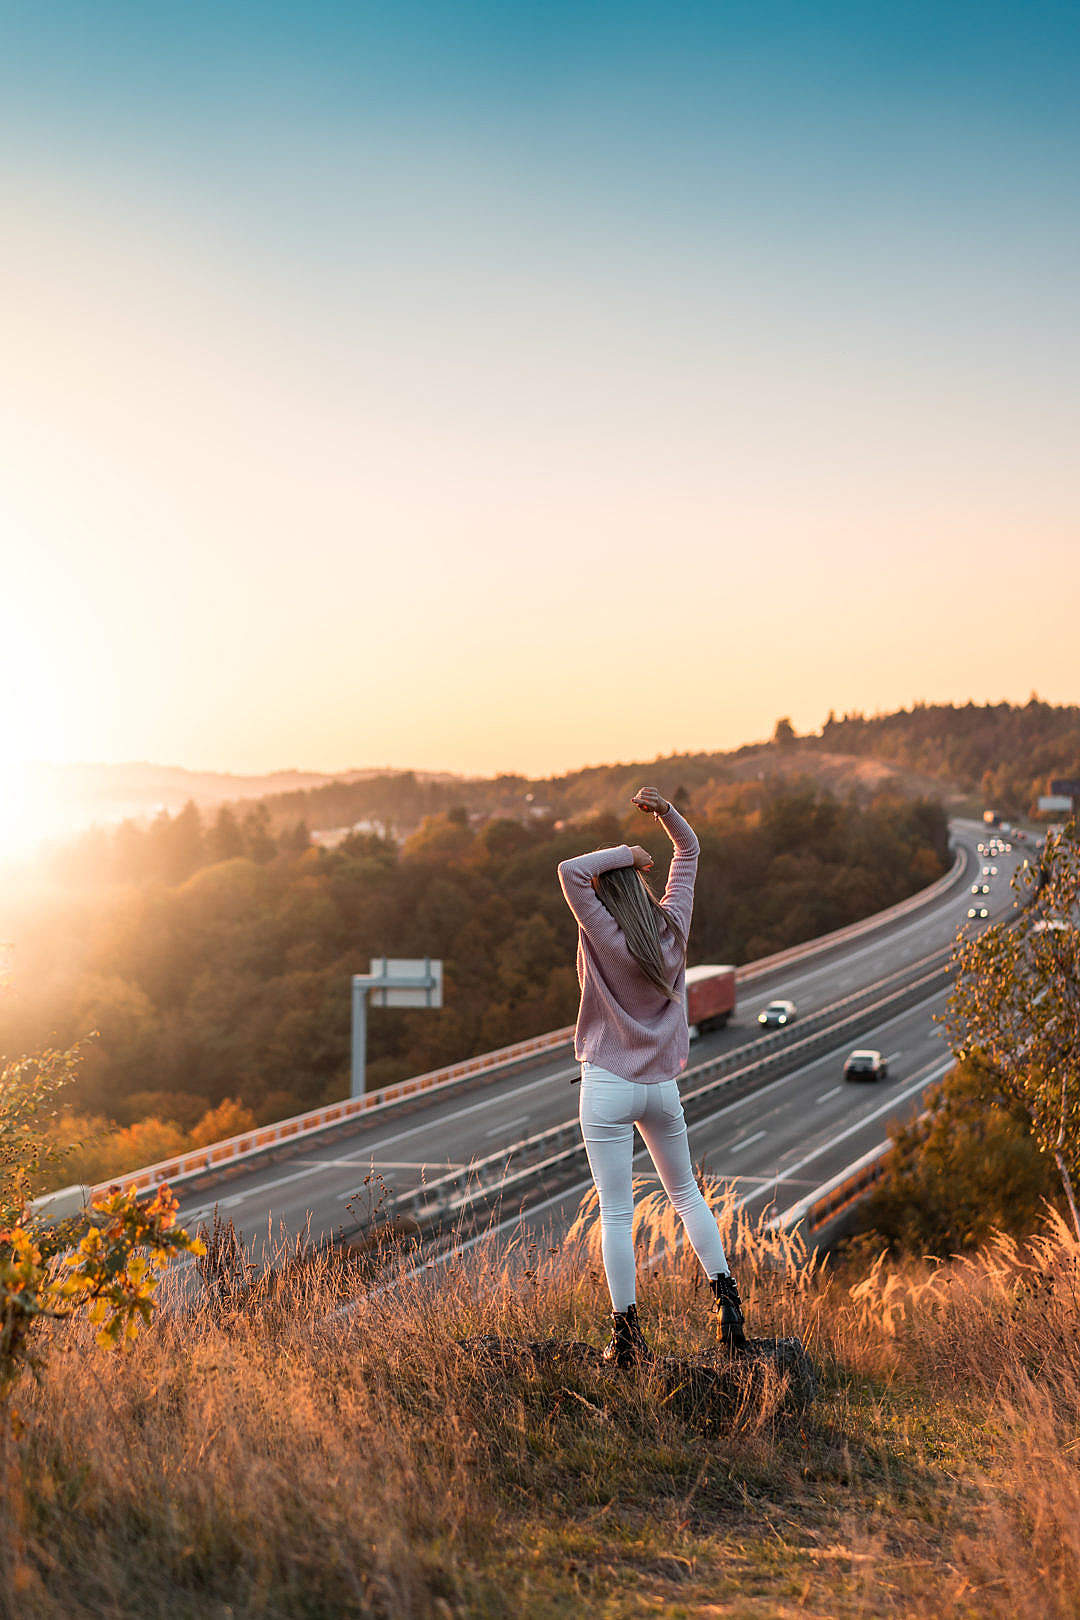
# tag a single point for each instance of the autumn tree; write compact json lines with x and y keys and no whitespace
{"x":1015,"y":1006}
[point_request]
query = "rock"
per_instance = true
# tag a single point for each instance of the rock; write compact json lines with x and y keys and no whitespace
{"x":711,"y":1388}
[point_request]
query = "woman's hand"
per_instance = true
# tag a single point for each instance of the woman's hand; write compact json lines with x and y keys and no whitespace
{"x":651,"y":802}
{"x":642,"y":859}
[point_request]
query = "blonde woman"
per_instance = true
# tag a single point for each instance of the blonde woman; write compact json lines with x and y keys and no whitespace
{"x":632,"y":1040}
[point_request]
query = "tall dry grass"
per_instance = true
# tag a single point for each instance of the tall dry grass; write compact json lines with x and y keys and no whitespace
{"x":315,"y":1445}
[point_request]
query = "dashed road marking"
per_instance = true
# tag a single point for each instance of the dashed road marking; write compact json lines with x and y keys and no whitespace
{"x":737,"y":1147}
{"x":497,"y":1130}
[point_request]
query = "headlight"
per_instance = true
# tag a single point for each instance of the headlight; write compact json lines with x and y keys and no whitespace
{"x":782,"y":1019}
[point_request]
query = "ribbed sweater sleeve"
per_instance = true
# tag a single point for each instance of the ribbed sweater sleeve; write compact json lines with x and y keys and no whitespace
{"x":679,"y":894}
{"x":575,"y":878}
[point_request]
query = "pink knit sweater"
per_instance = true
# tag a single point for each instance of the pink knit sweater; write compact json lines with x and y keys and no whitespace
{"x":625,"y":1025}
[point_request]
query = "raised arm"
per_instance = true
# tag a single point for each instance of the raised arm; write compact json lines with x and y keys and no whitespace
{"x":575,"y":878}
{"x":679,"y":894}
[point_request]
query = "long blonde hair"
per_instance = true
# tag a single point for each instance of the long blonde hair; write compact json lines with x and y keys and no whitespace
{"x":626,"y":895}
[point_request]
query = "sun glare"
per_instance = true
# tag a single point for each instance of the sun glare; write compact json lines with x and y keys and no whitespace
{"x":30,"y":712}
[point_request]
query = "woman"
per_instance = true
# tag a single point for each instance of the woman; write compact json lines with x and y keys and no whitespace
{"x":632,"y":1040}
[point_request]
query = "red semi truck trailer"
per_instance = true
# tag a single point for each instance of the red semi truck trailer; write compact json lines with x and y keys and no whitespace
{"x":710,"y":997}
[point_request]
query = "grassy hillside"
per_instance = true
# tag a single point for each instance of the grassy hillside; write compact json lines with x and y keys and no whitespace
{"x":271,"y":1458}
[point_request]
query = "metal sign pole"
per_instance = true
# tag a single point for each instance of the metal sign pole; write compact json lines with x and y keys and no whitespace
{"x":392,"y":982}
{"x":359,"y":1034}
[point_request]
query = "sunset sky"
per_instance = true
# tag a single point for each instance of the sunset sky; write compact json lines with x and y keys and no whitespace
{"x":512,"y":387}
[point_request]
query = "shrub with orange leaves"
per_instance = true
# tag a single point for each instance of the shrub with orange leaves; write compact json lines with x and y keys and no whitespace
{"x":104,"y":1262}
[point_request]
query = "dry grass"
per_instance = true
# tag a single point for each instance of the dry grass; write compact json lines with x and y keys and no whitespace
{"x":272,"y":1456}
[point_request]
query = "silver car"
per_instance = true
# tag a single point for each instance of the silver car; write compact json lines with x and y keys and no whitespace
{"x":776,"y":1014}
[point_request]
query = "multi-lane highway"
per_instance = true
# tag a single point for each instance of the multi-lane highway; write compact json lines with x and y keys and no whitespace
{"x":775,"y":1144}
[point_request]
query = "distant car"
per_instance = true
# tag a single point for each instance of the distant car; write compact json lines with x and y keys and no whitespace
{"x":777,"y":1012}
{"x":989,"y":871}
{"x":978,"y":911}
{"x":866,"y":1064}
{"x":980,"y":888}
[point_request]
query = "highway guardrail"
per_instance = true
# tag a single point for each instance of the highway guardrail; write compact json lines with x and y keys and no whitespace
{"x":822,"y":1212}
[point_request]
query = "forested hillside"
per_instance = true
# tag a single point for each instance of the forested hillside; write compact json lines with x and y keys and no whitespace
{"x":231,"y":981}
{"x":1004,"y":751}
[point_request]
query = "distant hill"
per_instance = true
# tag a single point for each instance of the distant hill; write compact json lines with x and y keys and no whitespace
{"x":1002,"y":752}
{"x":1006,"y":752}
{"x":708,"y":782}
{"x":74,"y":796}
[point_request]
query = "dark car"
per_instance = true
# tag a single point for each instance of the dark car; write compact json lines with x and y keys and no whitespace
{"x":866,"y":1064}
{"x":977,"y":911}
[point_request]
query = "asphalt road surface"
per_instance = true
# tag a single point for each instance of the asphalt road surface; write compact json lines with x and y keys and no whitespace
{"x":775,"y":1145}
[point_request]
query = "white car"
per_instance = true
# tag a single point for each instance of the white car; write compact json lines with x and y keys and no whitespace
{"x":776,"y":1013}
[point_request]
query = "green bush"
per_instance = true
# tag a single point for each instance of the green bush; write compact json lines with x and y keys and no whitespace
{"x":968,"y":1166}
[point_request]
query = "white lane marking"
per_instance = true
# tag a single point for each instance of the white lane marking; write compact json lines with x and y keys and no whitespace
{"x":890,"y":1057}
{"x":793,"y":1074}
{"x":470,"y":1108}
{"x":939,"y":912}
{"x":364,"y":1156}
{"x":825,"y":1095}
{"x":522,"y":1119}
{"x":867,"y":1119}
{"x":385,"y":1164}
{"x":737,"y":1147}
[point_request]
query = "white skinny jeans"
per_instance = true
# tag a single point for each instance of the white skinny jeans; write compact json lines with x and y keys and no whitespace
{"x":608,"y":1110}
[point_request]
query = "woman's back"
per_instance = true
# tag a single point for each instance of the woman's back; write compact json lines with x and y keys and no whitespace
{"x":626,"y":1024}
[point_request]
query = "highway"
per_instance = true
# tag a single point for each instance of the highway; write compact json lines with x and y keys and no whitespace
{"x":775,"y":1145}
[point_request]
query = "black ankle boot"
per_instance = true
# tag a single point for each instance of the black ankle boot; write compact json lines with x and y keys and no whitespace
{"x":627,"y":1344}
{"x":729,"y":1305}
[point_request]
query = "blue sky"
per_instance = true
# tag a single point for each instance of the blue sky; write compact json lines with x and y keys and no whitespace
{"x":352,"y":350}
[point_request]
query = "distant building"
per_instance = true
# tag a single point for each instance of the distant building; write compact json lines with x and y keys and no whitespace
{"x":331,"y":837}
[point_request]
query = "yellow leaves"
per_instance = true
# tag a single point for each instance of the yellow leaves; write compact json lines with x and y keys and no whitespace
{"x":110,"y":1273}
